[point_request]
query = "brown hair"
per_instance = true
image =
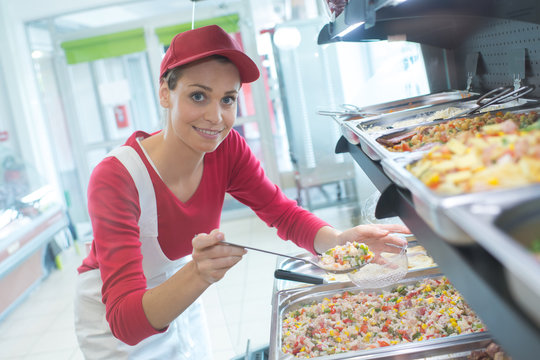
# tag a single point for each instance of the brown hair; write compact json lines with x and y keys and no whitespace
{"x":171,"y":76}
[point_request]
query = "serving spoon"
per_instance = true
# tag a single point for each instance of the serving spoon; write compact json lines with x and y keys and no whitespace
{"x":308,"y":261}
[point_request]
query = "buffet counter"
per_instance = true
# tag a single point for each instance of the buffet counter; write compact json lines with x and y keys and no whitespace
{"x":478,"y":275}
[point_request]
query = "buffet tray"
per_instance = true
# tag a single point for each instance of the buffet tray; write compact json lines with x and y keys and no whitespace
{"x":434,"y":208}
{"x":419,"y":102}
{"x":287,"y":300}
{"x":368,"y":140}
{"x":508,"y":235}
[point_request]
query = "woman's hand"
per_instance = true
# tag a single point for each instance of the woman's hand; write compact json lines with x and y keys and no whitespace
{"x":212,"y":259}
{"x":375,"y":236}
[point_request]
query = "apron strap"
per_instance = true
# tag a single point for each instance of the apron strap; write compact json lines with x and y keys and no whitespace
{"x":147,"y":197}
{"x":156,"y":265}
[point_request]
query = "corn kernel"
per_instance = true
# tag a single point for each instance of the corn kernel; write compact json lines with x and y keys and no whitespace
{"x":493,"y":181}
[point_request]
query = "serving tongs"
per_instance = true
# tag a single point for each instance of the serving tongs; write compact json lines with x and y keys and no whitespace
{"x":496,"y":96}
{"x":305,"y":260}
{"x":349,"y":112}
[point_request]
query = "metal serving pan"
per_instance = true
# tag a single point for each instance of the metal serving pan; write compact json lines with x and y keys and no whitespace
{"x":348,"y":112}
{"x":287,"y":300}
{"x":408,"y":106}
{"x":507,"y":233}
{"x":421,"y":101}
{"x":435,"y":208}
{"x":369,"y":140}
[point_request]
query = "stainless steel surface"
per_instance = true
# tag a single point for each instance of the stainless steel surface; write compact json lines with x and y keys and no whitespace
{"x":312,"y":260}
{"x":507,"y":234}
{"x":287,"y":300}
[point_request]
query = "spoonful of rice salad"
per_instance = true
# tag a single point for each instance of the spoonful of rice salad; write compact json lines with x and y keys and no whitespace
{"x":350,"y":257}
{"x":346,"y":258}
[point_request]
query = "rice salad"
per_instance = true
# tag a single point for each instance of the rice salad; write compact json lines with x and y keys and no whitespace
{"x":344,"y":257}
{"x":429,"y":309}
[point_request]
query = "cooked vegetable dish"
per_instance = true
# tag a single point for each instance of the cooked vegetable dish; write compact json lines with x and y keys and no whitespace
{"x":348,"y":256}
{"x":432,"y":308}
{"x":426,"y":136}
{"x":500,"y":155}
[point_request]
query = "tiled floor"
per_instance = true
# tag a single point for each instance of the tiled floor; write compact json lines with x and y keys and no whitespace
{"x":238,"y":307}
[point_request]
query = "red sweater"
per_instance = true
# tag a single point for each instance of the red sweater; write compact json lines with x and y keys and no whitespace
{"x":114,"y":210}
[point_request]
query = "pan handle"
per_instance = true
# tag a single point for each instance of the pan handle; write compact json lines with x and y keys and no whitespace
{"x":289,"y":275}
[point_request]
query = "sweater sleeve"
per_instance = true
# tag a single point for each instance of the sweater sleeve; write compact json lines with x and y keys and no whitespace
{"x":113,"y":204}
{"x":251,"y":186}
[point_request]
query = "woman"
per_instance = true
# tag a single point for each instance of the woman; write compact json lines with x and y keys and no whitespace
{"x":155,"y":206}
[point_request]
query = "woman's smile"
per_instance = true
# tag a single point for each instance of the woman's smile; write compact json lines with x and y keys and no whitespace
{"x":207,"y":133}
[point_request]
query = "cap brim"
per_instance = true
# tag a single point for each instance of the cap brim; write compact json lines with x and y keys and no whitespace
{"x":248,"y":70}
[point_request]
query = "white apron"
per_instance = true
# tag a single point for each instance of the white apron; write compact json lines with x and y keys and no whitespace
{"x":186,"y":338}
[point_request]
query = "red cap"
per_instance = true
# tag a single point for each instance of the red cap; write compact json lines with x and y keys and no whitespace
{"x":205,"y":41}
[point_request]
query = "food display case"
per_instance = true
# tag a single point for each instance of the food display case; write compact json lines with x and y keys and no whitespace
{"x":478,"y":240}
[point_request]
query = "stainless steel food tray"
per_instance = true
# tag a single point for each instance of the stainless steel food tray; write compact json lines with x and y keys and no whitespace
{"x":421,"y":101}
{"x":506,"y":233}
{"x":434,"y":208}
{"x":287,"y":300}
{"x":348,"y":112}
{"x":408,"y":106}
{"x":376,"y":151}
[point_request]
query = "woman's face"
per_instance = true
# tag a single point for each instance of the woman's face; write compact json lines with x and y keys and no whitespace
{"x":202,"y":106}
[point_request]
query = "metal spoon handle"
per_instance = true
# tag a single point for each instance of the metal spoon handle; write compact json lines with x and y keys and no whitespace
{"x":265,"y":251}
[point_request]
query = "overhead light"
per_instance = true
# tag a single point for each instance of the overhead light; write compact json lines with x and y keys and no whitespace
{"x":287,"y":38}
{"x":37,"y":54}
{"x":350,"y":28}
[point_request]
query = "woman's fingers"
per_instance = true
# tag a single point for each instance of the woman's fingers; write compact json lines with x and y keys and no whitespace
{"x":392,"y":243}
{"x":212,"y":258}
{"x":394,"y":228}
